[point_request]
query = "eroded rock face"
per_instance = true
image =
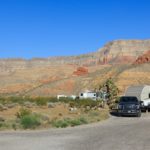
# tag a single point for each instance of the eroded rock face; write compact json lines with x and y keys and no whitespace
{"x":123,"y":51}
{"x":145,"y":58}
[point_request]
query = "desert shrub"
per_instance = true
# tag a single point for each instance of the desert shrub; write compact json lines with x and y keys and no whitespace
{"x":40,"y":101}
{"x":66,"y":99}
{"x":69,"y":122}
{"x":72,"y":104}
{"x":2,"y":100}
{"x":78,"y":121}
{"x":80,"y":102}
{"x":14,"y":126}
{"x":23,"y":112}
{"x":27,"y":119}
{"x":83,"y":120}
{"x":4,"y":125}
{"x":30,"y":121}
{"x":94,"y":114}
{"x":1,"y":124}
{"x":60,"y":123}
{"x":53,"y":99}
{"x":17,"y":99}
{"x":75,"y":122}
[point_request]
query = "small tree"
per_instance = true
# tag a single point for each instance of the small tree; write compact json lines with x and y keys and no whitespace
{"x":110,"y":90}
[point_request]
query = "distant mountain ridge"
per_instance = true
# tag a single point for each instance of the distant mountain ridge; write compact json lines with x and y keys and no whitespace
{"x":112,"y":52}
{"x":61,"y":75}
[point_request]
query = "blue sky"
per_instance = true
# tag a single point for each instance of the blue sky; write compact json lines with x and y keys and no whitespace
{"x":43,"y":28}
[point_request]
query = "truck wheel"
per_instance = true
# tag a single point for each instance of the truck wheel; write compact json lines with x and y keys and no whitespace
{"x":144,"y":110}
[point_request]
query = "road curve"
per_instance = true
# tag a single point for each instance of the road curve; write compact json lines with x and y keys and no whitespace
{"x":116,"y":133}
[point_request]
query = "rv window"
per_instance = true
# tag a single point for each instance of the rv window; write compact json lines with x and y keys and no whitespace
{"x":81,"y":94}
{"x":94,"y":94}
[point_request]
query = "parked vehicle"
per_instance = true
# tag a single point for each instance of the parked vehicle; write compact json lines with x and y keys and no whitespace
{"x":142,"y":92}
{"x":88,"y":94}
{"x":129,"y":105}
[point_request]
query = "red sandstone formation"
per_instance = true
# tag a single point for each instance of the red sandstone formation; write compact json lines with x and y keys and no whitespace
{"x":145,"y":58}
{"x":80,"y":71}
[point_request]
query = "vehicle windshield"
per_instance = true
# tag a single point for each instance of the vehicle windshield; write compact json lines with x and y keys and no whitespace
{"x":128,"y":100}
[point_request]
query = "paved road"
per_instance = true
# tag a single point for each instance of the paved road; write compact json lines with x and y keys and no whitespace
{"x":117,"y":133}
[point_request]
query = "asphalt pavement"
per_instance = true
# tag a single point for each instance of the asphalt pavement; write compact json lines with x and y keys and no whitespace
{"x":116,"y":133}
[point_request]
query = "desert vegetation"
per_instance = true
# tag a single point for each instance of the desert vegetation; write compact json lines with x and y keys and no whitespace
{"x":19,"y":113}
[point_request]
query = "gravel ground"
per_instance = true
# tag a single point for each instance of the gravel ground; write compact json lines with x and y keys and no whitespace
{"x":116,"y":133}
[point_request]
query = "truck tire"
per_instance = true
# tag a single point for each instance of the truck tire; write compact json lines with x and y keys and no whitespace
{"x":144,"y":110}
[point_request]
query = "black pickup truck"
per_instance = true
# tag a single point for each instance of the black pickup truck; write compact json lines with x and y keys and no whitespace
{"x":129,"y":105}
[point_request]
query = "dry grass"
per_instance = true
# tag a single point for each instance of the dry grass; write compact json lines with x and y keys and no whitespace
{"x":59,"y":112}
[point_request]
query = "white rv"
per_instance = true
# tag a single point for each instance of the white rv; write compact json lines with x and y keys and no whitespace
{"x":88,"y":94}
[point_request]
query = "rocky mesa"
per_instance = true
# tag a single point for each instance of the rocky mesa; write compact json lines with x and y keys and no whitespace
{"x":121,"y":59}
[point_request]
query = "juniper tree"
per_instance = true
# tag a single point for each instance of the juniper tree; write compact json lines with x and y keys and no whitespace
{"x":111,"y":88}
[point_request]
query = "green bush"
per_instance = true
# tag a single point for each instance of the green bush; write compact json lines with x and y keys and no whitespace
{"x":83,"y":120}
{"x":60,"y":123}
{"x":14,"y":126}
{"x":87,"y":102}
{"x":78,"y":121}
{"x":27,"y":119}
{"x":80,"y":102}
{"x":30,"y":121}
{"x":17,"y":99}
{"x":75,"y":122}
{"x":1,"y":125}
{"x":53,"y":99}
{"x":69,"y":122}
{"x":41,"y":101}
{"x":2,"y":100}
{"x":4,"y":125}
{"x":94,"y":114}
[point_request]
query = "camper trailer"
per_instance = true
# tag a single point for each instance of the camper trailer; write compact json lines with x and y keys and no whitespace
{"x":88,"y":94}
{"x":142,"y":92}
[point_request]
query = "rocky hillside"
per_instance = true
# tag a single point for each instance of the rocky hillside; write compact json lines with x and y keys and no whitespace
{"x":145,"y":58}
{"x":70,"y":75}
{"x":123,"y":51}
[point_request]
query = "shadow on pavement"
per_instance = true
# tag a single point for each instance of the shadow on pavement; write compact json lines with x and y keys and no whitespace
{"x":114,"y":113}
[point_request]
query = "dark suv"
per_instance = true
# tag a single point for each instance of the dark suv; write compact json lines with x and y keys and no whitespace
{"x":129,"y":105}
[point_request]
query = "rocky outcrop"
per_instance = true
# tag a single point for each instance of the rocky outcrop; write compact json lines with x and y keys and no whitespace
{"x":81,"y":71}
{"x":123,"y":51}
{"x":145,"y":58}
